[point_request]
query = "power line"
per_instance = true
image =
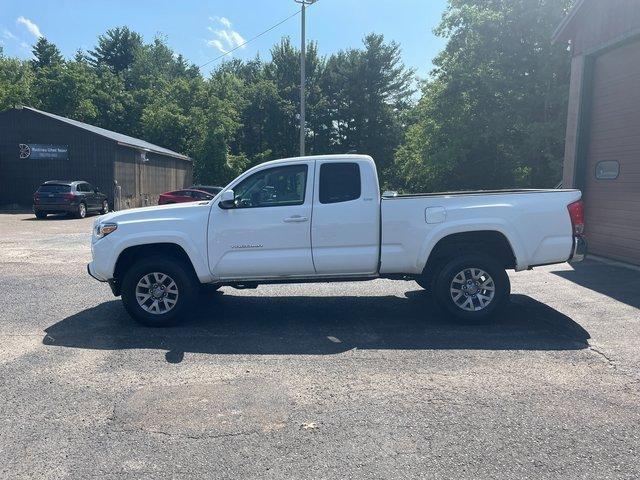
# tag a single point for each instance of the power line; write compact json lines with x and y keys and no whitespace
{"x":251,"y":39}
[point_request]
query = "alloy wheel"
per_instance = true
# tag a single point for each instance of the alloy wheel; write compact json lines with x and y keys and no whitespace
{"x":472,"y":289}
{"x":157,"y":293}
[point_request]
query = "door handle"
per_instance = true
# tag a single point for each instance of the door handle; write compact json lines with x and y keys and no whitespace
{"x":295,"y":219}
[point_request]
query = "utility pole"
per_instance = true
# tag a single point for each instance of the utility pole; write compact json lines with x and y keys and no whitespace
{"x":303,"y":4}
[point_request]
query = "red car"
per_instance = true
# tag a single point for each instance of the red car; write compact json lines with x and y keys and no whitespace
{"x":193,"y":194}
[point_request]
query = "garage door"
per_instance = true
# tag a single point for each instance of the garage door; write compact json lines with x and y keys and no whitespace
{"x":612,"y":184}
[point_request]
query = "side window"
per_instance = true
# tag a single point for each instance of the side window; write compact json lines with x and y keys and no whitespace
{"x":339,"y":182}
{"x":274,"y":187}
{"x":82,"y":187}
{"x":88,"y":187}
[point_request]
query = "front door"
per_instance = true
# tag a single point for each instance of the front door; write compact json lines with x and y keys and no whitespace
{"x":87,"y":193}
{"x":92,"y":197}
{"x":268,"y":233}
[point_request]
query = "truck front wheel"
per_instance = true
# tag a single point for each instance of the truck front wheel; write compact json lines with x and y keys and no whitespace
{"x":472,"y":288}
{"x":159,"y":291}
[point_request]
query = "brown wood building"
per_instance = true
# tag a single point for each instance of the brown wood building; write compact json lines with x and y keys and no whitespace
{"x":602,"y":152}
{"x":37,"y":146}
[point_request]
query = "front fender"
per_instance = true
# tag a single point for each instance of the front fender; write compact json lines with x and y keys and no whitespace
{"x":106,"y":268}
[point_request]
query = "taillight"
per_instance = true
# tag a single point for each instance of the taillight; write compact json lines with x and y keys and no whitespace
{"x":576,"y":213}
{"x":69,"y":196}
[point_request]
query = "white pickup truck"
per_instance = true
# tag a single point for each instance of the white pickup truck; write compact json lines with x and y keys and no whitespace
{"x":322,"y":218}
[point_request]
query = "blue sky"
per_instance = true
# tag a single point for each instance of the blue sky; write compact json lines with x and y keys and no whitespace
{"x":200,"y":30}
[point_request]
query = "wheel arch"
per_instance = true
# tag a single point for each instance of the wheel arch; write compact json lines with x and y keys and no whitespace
{"x":132,"y":254}
{"x":492,"y":242}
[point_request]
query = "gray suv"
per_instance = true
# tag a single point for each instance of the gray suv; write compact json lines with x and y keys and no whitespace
{"x":73,"y":198}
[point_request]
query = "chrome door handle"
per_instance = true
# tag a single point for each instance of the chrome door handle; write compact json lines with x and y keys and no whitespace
{"x":295,"y":219}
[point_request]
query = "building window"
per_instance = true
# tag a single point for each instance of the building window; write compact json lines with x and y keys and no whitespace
{"x":607,"y":170}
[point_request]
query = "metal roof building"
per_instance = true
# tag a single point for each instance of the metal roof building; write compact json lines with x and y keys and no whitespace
{"x":36,"y":146}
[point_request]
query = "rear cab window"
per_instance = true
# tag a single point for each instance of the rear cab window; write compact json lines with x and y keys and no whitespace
{"x":339,"y":182}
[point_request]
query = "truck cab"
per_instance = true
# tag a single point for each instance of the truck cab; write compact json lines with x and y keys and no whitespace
{"x":268,"y":219}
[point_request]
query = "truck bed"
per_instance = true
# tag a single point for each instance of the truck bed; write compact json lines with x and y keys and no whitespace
{"x":535,"y":222}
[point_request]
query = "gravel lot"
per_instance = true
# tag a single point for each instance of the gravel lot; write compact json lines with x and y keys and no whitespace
{"x":323,"y":381}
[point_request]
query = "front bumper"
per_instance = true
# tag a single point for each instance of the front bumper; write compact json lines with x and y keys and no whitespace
{"x":579,"y":250}
{"x":92,"y":274}
{"x":113,"y":283}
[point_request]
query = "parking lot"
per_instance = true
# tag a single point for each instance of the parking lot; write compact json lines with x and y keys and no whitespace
{"x":362,"y":380}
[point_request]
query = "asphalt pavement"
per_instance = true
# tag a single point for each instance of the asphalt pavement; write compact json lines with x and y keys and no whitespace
{"x":312,"y":381}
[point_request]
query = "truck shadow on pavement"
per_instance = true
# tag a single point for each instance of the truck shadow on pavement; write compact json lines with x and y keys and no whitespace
{"x":318,"y":325}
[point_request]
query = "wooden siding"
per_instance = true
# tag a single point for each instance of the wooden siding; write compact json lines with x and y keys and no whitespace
{"x":599,"y":22}
{"x":612,"y":207}
{"x":142,"y":182}
{"x":89,"y":156}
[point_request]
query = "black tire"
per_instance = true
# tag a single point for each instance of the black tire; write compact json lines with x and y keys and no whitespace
{"x":186,"y":283}
{"x":105,"y":207}
{"x":81,"y":211}
{"x":480,"y":310}
{"x":41,"y":215}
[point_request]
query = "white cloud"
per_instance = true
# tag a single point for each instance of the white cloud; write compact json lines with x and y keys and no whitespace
{"x":7,"y":34}
{"x":217,"y":44}
{"x":32,"y":27}
{"x":226,"y":38}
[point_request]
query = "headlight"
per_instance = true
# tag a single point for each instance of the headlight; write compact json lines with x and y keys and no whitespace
{"x":104,"y":229}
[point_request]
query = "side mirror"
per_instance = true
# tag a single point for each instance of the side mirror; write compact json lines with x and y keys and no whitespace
{"x":227,"y":200}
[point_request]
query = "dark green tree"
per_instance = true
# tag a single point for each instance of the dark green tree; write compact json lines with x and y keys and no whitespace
{"x":16,"y":82}
{"x":117,"y":49}
{"x":493,"y":112}
{"x":46,"y":54}
{"x":367,"y":91}
{"x":66,"y":89}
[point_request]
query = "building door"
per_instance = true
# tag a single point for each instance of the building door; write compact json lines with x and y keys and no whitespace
{"x":612,"y":173}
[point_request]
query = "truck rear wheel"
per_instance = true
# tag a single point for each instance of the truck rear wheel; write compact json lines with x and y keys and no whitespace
{"x":159,"y":291}
{"x":473,"y":288}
